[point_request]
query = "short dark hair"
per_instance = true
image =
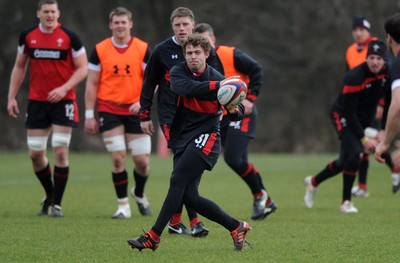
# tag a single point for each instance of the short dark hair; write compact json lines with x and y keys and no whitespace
{"x":46,"y":2}
{"x":182,"y":12}
{"x":197,"y":40}
{"x":120,"y":11}
{"x":203,"y":28}
{"x":392,"y":27}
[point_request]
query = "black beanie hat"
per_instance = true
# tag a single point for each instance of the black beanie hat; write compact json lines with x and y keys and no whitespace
{"x":377,"y":47}
{"x":361,"y":21}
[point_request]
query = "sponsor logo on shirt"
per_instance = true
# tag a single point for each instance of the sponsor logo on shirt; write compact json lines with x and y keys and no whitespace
{"x":39,"y":53}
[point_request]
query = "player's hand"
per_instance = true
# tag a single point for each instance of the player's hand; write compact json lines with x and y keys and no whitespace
{"x":248,"y":107}
{"x":134,"y":108}
{"x":91,"y":126}
{"x":380,"y":135}
{"x":380,"y":149}
{"x":370,"y":145}
{"x":147,"y":127}
{"x":223,"y":82}
{"x":12,"y":108}
{"x":56,"y":94}
{"x":233,"y":110}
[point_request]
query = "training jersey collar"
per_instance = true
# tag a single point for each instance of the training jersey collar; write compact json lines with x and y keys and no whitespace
{"x":43,"y":30}
{"x":176,"y":41}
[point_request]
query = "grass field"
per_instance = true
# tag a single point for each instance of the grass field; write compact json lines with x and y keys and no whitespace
{"x":293,"y":234}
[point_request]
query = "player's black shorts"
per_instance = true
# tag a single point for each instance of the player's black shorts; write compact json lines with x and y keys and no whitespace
{"x":109,"y":121}
{"x":245,"y":127}
{"x":207,"y":146}
{"x":42,"y":114}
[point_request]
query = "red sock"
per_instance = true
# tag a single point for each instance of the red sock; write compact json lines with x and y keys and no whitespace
{"x":176,"y":219}
{"x":313,"y":182}
{"x":194,"y":221}
{"x":154,"y":236}
{"x":236,"y":227}
{"x":362,"y":186}
{"x":258,"y":195}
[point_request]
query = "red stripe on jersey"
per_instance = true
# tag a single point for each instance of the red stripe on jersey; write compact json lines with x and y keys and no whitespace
{"x":362,"y":86}
{"x":381,"y":102}
{"x":338,"y":124}
{"x":167,"y":77}
{"x":245,"y":124}
{"x":210,"y":143}
{"x":213,"y":85}
{"x":200,"y":105}
{"x":353,"y":89}
{"x":166,"y":131}
{"x":251,"y":97}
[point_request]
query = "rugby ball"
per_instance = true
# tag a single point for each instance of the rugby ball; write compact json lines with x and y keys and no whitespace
{"x":232,"y":93}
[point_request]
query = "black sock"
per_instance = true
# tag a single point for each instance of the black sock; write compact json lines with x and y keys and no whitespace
{"x":348,"y":180}
{"x":121,"y":184}
{"x":140,"y":182}
{"x":329,"y":171}
{"x":61,"y":175}
{"x":260,"y":182}
{"x":363,"y":169}
{"x":250,"y":177}
{"x":44,"y":177}
{"x":388,"y":161}
{"x":191,"y":213}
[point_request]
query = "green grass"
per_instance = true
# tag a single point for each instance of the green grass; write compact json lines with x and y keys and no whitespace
{"x":293,"y":234}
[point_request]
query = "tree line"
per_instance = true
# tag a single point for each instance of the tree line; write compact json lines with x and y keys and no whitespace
{"x":301,"y":45}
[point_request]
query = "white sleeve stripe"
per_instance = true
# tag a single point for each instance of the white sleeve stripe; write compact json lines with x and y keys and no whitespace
{"x":77,"y":53}
{"x":21,"y":49}
{"x":396,"y":84}
{"x":94,"y":67}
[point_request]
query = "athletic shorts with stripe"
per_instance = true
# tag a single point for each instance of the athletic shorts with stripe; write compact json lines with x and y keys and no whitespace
{"x":42,"y":114}
{"x":109,"y":121}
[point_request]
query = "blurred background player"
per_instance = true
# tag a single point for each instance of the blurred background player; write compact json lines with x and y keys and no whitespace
{"x":356,"y":54}
{"x":236,"y":135}
{"x":392,"y":109}
{"x":166,"y":55}
{"x":352,"y":111}
{"x":116,"y":69}
{"x":57,"y":62}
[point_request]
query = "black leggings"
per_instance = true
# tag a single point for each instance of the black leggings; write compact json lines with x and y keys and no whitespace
{"x":236,"y":153}
{"x":184,"y":184}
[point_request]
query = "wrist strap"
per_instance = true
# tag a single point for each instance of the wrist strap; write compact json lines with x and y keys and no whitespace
{"x":89,"y":114}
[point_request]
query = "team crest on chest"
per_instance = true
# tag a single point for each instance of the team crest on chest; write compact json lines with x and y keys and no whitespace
{"x":59,"y":42}
{"x":383,"y":82}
